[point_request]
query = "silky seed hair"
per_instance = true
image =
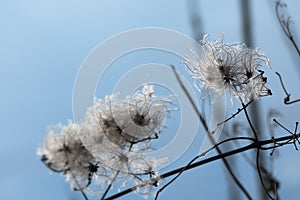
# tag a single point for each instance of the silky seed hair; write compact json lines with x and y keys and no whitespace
{"x":232,"y":67}
{"x":111,"y":144}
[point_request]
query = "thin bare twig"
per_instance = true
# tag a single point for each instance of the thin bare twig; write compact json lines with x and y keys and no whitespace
{"x":236,"y":113}
{"x":294,"y":134}
{"x":285,"y":23}
{"x":286,"y":99}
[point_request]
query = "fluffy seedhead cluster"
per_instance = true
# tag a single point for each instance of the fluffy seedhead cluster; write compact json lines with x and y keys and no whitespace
{"x":229,"y":66}
{"x":111,"y":143}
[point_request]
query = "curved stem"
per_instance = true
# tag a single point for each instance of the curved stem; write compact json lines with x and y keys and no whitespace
{"x":260,"y":175}
{"x":249,"y":121}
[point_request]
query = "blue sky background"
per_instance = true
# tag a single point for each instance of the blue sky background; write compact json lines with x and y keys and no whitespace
{"x":43,"y":44}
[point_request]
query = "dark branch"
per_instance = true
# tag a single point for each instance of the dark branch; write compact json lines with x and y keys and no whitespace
{"x":254,"y":145}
